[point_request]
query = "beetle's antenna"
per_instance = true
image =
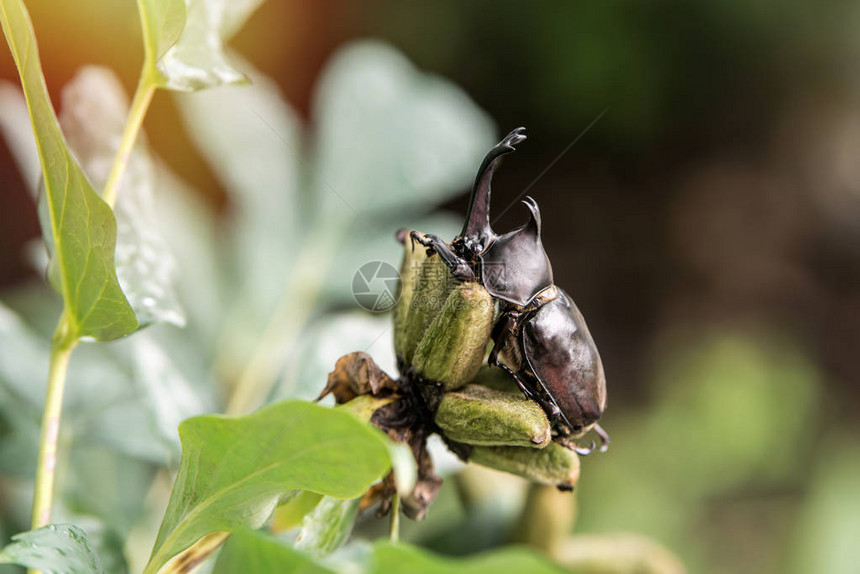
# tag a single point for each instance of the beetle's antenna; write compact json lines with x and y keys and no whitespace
{"x":477,"y":230}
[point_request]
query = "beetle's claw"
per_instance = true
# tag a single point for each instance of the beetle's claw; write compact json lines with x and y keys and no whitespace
{"x":400,"y":235}
{"x":418,"y":238}
{"x":584,"y":451}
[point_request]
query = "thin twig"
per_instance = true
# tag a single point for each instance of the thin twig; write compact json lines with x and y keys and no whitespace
{"x":394,"y":532}
{"x":139,"y":105}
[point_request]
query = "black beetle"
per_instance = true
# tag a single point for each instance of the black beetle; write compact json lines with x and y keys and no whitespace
{"x":540,"y":338}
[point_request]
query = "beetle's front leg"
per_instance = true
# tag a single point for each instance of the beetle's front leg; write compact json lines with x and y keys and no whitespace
{"x":459,"y":267}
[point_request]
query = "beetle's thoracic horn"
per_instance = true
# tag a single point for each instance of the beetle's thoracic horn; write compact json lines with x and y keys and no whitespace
{"x":477,"y":227}
{"x":534,"y":223}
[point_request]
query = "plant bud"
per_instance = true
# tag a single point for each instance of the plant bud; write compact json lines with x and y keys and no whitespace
{"x":425,"y":285}
{"x":454,"y":345}
{"x":478,"y":415}
{"x":554,"y":465}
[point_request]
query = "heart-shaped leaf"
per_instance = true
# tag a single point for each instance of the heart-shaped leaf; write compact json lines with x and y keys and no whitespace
{"x":53,"y":548}
{"x":234,"y":471}
{"x":79,"y":228}
{"x":391,"y":137}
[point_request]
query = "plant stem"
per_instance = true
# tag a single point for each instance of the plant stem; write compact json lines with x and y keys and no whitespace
{"x":139,"y":105}
{"x":61,"y":350}
{"x":394,"y":532}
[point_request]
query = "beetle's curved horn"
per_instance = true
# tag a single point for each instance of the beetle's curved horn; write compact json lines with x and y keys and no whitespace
{"x":534,"y":224}
{"x":477,"y":226}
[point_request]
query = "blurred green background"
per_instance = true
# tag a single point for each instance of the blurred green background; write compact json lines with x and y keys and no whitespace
{"x":707,"y":225}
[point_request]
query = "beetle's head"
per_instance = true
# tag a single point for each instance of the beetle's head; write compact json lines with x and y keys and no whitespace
{"x":514,"y":266}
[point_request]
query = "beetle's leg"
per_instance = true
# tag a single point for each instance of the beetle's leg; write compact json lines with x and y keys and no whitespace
{"x":582,"y":450}
{"x":522,"y":386}
{"x":551,"y":409}
{"x":504,"y":327}
{"x":585,"y":451}
{"x":459,"y":267}
{"x":604,"y":437}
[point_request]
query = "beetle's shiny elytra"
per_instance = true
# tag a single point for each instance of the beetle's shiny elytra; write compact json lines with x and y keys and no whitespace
{"x":540,"y":338}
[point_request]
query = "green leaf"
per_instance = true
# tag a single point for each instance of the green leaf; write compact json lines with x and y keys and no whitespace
{"x":192,"y":229}
{"x":81,"y":230}
{"x":293,"y":509}
{"x":251,"y":551}
{"x":162,"y":22}
{"x":184,"y":41}
{"x":93,"y":115}
{"x":328,"y":525}
{"x":53,"y":548}
{"x":389,"y":557}
{"x":391,"y":137}
{"x":233,"y":472}
{"x":168,"y":397}
{"x":263,"y":182}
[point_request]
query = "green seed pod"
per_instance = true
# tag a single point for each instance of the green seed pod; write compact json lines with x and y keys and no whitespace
{"x":410,"y":268}
{"x":425,"y":285}
{"x":477,"y":415}
{"x":554,"y":465}
{"x":454,"y":345}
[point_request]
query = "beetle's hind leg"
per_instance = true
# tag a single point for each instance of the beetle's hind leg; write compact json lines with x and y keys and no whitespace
{"x":459,"y":267}
{"x":502,"y":329}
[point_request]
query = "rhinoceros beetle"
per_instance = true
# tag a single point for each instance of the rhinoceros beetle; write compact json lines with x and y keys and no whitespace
{"x":540,"y":338}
